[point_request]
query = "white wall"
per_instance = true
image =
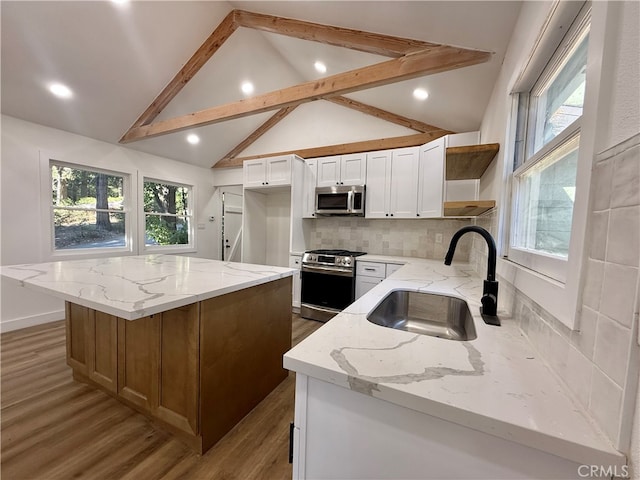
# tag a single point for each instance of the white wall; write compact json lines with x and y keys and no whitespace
{"x":21,"y":232}
{"x":322,"y":123}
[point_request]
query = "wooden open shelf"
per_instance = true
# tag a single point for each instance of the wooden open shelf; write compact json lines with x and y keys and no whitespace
{"x":472,"y":208}
{"x":469,"y":162}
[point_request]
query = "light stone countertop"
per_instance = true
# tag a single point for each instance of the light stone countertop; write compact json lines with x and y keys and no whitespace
{"x":496,"y":383}
{"x":133,"y":287}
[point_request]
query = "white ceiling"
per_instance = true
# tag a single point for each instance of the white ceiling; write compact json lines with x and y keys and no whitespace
{"x":118,"y":58}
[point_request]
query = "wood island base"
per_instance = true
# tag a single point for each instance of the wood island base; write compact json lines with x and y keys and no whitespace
{"x":196,"y":370}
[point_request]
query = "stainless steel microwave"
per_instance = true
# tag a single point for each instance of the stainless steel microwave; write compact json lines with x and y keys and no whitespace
{"x":340,"y":200}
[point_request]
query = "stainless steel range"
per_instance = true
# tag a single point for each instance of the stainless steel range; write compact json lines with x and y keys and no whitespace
{"x":328,"y":282}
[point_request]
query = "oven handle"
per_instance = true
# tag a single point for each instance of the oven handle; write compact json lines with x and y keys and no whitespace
{"x":328,"y":270}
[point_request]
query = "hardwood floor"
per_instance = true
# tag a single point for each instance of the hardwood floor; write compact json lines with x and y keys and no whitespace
{"x":55,"y":428}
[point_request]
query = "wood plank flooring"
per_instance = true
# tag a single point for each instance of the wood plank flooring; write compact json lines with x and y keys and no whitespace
{"x":55,"y":428}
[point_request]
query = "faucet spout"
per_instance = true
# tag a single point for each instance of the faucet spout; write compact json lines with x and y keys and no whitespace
{"x":490,"y":287}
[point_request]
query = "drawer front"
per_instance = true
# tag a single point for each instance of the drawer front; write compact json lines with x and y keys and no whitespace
{"x":371,"y":269}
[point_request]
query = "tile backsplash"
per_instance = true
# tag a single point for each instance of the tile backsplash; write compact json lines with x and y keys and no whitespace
{"x":600,"y":362}
{"x":421,"y":238}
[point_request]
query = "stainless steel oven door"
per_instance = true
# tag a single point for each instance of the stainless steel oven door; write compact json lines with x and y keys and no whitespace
{"x":326,"y":291}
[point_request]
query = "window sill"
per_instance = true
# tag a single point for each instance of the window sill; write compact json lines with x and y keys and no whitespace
{"x":168,"y":250}
{"x":560,"y":300}
{"x":80,"y":253}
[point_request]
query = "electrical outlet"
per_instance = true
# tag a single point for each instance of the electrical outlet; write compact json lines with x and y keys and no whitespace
{"x":438,"y":238}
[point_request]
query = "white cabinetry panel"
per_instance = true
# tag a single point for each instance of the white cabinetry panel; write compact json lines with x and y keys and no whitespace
{"x":267,"y":172}
{"x":392,"y":183}
{"x":377,"y":194}
{"x":403,"y":188}
{"x":431,"y":178}
{"x":342,"y":170}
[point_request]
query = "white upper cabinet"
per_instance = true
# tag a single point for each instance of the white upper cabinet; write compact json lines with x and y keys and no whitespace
{"x":253,"y":173}
{"x":353,"y":169}
{"x":404,"y":185}
{"x":377,"y":193}
{"x":431,"y":178}
{"x":392,"y":183}
{"x":309,"y":198}
{"x":342,"y":170}
{"x":267,"y":172}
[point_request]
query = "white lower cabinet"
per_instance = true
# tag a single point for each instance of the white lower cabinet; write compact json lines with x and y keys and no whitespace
{"x":370,"y":274}
{"x":342,"y":433}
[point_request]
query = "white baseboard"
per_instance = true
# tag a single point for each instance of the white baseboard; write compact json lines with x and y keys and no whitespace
{"x":24,"y":322}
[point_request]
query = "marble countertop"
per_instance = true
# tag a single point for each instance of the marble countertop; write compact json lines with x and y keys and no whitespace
{"x":496,"y":383}
{"x":133,"y":287}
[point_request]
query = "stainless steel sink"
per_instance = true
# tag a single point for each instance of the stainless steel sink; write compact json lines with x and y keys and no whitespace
{"x":425,"y":313}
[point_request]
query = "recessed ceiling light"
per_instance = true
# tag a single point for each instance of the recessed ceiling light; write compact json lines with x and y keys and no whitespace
{"x":420,"y":94}
{"x":247,"y":88}
{"x":320,"y":67}
{"x":60,"y":90}
{"x":193,"y":139}
{"x":120,"y":2}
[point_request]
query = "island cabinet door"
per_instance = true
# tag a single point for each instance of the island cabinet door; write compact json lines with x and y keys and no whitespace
{"x":179,"y":368}
{"x":77,"y":320}
{"x":139,"y":361}
{"x":102,"y":357}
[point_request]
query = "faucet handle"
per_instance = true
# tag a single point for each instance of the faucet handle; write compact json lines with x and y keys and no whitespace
{"x":489,"y":309}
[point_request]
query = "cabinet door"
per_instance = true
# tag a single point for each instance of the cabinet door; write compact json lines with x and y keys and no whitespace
{"x":179,"y":367}
{"x":353,"y":169}
{"x":278,"y":170}
{"x":392,"y":268}
{"x":404,"y":183}
{"x":254,"y":173}
{"x":364,"y":284}
{"x":378,"y":176}
{"x":295,"y":261}
{"x":328,"y":171}
{"x":431,"y":178}
{"x":77,"y":320}
{"x":139,"y":361}
{"x":102,"y":363}
{"x":309,"y":194}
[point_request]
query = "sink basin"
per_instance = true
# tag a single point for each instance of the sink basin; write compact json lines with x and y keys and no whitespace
{"x":425,"y":313}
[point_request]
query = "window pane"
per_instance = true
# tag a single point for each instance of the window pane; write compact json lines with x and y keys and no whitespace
{"x":166,"y":230}
{"x":166,"y":198}
{"x":86,"y":189}
{"x":88,"y":229}
{"x":561,"y":101}
{"x":545,"y":201}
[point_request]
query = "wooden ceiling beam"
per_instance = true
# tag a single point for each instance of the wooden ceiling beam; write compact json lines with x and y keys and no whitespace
{"x":382,"y":114}
{"x":256,"y":134}
{"x":186,"y":73}
{"x":337,"y":36}
{"x":344,"y":148}
{"x":435,"y":60}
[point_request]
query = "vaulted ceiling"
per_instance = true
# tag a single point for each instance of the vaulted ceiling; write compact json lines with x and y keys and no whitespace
{"x":119,"y":58}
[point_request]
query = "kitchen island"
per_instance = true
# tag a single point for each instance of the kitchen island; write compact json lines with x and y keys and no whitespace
{"x":389,"y":404}
{"x":192,"y":343}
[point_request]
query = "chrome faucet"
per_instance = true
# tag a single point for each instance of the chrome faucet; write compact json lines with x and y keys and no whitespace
{"x":490,"y":288}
